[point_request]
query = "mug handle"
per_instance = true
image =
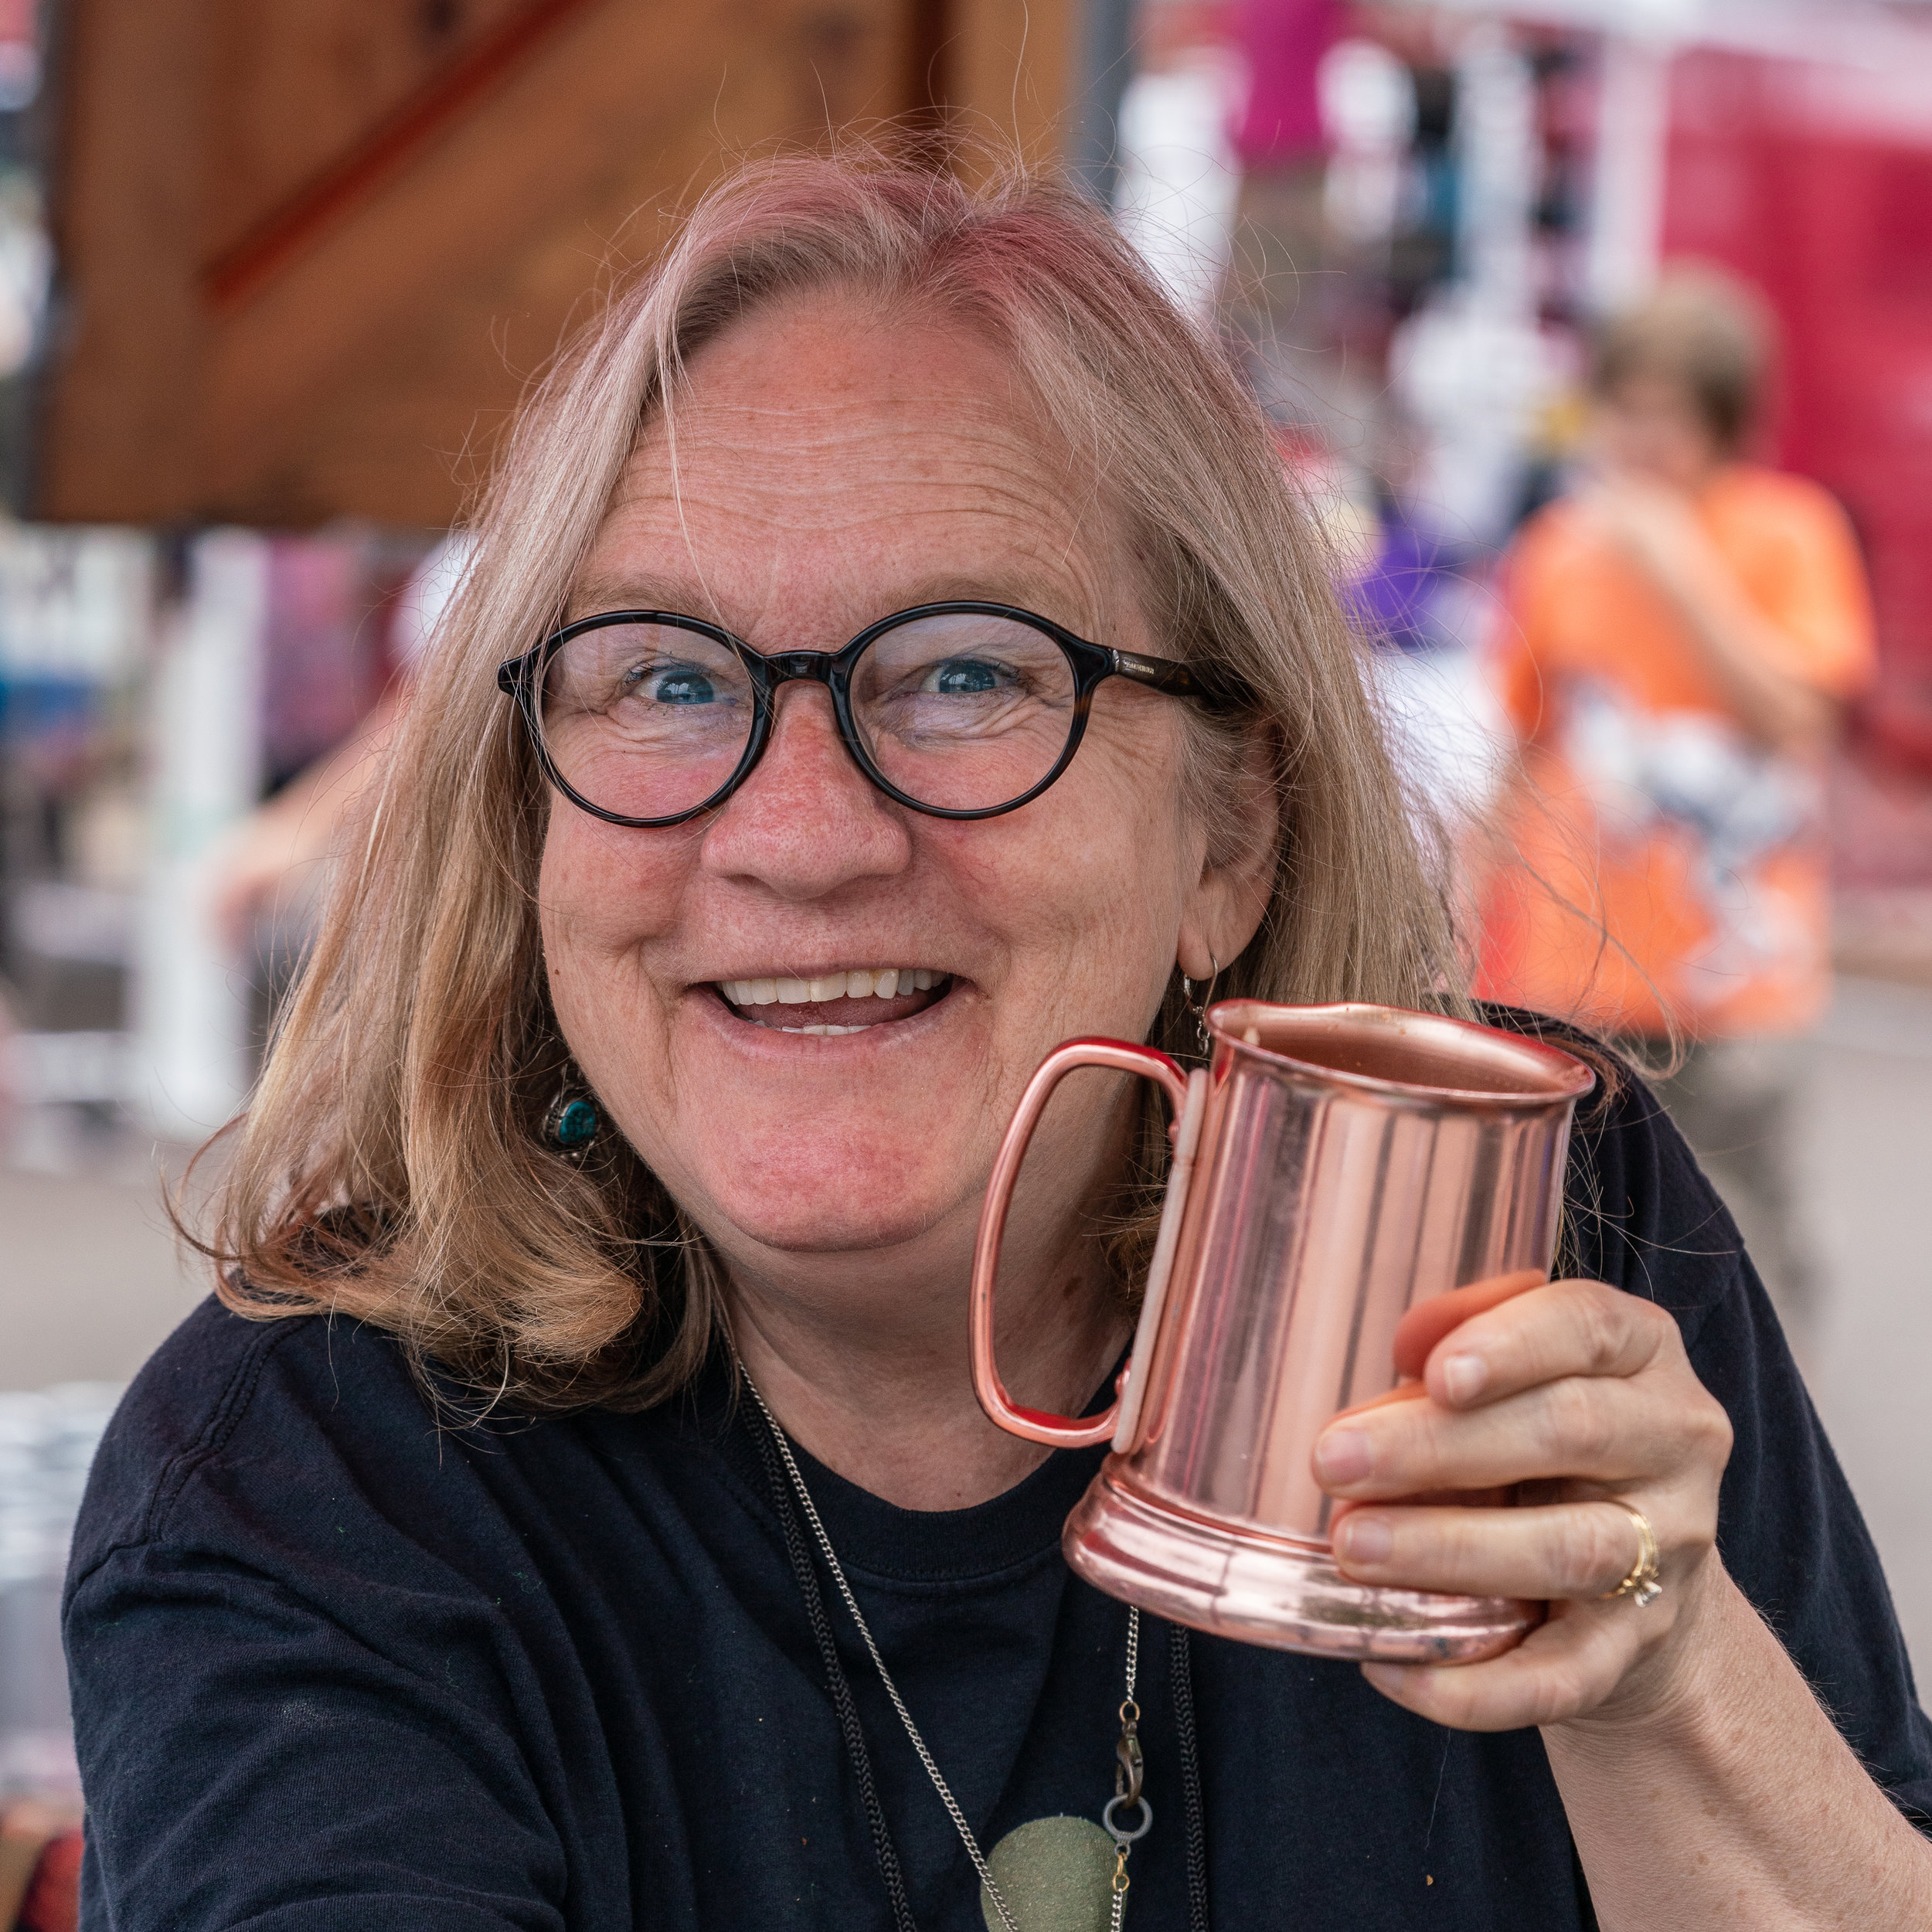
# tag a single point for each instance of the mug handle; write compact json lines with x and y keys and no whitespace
{"x":1057,"y":1432}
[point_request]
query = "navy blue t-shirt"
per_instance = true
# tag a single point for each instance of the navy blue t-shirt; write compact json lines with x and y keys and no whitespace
{"x":336,"y":1666}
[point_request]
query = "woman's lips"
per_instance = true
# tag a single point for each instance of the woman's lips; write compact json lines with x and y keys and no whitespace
{"x":835,"y":1016}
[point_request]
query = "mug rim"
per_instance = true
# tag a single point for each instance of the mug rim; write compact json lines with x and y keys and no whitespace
{"x":1568,"y":1077}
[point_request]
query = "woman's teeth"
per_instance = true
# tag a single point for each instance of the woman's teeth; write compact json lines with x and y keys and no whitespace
{"x":877,"y":982}
{"x":882,"y":982}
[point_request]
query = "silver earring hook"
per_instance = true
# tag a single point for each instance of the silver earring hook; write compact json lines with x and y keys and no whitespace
{"x":1199,"y":1007}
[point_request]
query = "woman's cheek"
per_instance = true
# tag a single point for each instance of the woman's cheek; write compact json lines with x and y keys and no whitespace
{"x":605,"y":889}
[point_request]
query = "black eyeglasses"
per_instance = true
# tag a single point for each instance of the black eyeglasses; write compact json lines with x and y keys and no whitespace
{"x":961,"y":709}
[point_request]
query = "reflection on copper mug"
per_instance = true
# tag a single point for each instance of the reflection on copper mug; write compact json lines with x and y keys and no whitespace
{"x":1334,"y":1167}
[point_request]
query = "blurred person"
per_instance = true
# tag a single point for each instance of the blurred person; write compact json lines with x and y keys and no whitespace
{"x":268,"y":874}
{"x":606,"y":1216}
{"x":1684,"y":630}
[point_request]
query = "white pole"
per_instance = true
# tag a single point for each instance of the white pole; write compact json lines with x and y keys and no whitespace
{"x":1498,"y":148}
{"x":1180,"y":178}
{"x":1627,"y":210}
{"x":191,"y":998}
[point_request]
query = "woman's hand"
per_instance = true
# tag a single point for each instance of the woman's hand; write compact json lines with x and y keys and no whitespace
{"x":1573,"y":1393}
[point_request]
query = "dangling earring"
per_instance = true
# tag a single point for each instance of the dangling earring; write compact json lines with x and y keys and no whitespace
{"x":1199,"y":1007}
{"x":571,"y":1125}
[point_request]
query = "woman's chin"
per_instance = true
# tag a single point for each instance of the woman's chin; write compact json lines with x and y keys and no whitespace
{"x":834,"y":1224}
{"x":847,"y":1174}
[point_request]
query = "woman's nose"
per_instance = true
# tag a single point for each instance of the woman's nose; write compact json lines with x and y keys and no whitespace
{"x":807,"y":820}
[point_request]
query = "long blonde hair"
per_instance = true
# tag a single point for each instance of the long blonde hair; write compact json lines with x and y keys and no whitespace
{"x":389,"y":1166}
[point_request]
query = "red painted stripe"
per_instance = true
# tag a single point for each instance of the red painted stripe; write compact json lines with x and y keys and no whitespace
{"x":288,"y":230}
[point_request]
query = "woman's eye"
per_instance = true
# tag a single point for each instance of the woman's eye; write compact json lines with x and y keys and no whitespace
{"x":963,"y":678}
{"x":681,"y":686}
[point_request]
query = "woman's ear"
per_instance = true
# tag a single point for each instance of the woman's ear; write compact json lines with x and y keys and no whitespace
{"x":1226,"y":904}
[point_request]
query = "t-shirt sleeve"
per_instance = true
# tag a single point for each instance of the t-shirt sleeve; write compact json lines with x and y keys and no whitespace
{"x":250,"y":1762}
{"x":1643,"y":1217}
{"x":275,"y":1736}
{"x":1816,"y":595}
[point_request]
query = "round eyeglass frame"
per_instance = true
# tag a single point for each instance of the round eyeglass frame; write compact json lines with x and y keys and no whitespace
{"x":521,"y":678}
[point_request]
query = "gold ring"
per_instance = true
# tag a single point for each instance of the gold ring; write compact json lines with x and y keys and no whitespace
{"x":1641,"y":1585}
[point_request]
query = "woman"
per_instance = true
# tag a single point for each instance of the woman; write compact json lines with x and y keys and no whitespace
{"x":644,"y":1087}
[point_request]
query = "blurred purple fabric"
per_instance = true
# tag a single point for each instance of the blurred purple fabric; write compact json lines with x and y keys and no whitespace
{"x":1392,"y":601}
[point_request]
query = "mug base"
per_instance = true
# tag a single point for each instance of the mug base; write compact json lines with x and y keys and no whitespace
{"x":1233,"y":1581}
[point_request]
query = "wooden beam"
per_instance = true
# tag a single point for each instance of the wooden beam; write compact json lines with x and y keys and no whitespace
{"x":579,"y":160}
{"x":119,"y":431}
{"x":355,"y":176}
{"x":1012,"y":77}
{"x":356,"y":351}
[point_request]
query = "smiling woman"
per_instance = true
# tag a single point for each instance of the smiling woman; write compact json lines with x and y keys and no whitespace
{"x":891,"y":650}
{"x":966,"y":434}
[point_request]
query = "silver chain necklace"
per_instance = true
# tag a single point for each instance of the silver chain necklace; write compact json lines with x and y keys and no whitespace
{"x":1127,"y":1773}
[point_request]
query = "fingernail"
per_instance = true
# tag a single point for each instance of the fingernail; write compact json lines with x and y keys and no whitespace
{"x":1463,"y":1376}
{"x":1387,"y":1677}
{"x":1366,"y":1539}
{"x":1342,"y":1456}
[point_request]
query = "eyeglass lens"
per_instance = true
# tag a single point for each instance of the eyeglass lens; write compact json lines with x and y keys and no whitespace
{"x":958,"y":710}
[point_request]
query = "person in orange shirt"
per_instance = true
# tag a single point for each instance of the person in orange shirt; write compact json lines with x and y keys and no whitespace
{"x":1683,"y":633}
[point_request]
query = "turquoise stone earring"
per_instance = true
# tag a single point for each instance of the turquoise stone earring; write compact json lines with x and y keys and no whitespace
{"x":571,"y":1125}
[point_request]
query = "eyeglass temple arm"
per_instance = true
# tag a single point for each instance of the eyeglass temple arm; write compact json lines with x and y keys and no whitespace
{"x":1176,"y":680}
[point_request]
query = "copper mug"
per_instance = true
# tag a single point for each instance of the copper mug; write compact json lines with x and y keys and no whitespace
{"x":1334,"y":1167}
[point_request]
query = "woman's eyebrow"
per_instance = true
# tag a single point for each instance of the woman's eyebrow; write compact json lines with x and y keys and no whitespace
{"x":597,"y":594}
{"x":1028,"y":590}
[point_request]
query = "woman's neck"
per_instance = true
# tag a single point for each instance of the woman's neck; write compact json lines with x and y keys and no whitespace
{"x":880,"y":1388}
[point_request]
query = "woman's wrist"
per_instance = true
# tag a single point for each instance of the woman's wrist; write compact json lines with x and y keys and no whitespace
{"x":1713,"y":1787}
{"x":1672,"y":1693}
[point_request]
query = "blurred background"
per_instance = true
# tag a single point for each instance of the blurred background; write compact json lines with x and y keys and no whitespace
{"x":272,"y":277}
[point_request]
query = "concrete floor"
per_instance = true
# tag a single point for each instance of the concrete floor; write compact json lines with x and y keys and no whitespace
{"x":90,"y":1277}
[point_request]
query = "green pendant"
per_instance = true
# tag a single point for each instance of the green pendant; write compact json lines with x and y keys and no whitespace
{"x":1055,"y":1875}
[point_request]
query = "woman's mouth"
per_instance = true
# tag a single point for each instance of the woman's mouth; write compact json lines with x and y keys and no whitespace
{"x":846,"y":1001}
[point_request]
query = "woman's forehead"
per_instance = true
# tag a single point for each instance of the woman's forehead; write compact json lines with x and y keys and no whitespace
{"x":835,"y":449}
{"x":792,"y":398}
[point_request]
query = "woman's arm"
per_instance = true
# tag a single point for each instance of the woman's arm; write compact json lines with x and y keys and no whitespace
{"x":1703,"y":1783}
{"x":1735,"y":1800}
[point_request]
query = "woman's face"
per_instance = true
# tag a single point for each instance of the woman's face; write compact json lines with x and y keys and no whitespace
{"x":833,"y":467}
